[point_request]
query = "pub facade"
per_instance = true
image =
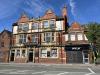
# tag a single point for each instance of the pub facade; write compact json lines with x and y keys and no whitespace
{"x":39,"y":40}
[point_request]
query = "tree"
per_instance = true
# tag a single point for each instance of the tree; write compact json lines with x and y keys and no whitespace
{"x":93,"y":35}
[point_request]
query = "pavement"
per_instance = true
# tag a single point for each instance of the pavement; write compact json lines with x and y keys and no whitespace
{"x":48,"y":69}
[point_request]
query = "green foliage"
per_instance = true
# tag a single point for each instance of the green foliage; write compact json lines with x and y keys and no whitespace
{"x":93,"y":34}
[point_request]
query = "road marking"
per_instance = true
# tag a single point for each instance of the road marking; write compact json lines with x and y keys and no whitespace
{"x":63,"y":73}
{"x":92,"y":72}
{"x":39,"y":72}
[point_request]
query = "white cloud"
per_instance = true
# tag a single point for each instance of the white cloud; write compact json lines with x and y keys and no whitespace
{"x":35,"y":7}
{"x":72,"y":4}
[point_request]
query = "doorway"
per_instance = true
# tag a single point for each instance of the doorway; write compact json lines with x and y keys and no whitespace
{"x":85,"y":58}
{"x":12,"y":55}
{"x":31,"y":56}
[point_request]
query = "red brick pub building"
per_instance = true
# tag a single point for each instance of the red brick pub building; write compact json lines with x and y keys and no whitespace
{"x":45,"y":40}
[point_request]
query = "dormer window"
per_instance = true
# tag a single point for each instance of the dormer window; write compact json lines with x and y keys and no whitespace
{"x":72,"y":37}
{"x":80,"y":36}
{"x":35,"y":25}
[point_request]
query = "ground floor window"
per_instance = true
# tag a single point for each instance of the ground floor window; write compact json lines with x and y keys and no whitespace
{"x":18,"y":53}
{"x":53,"y":52}
{"x":23,"y":53}
{"x":49,"y":53}
{"x":43,"y":53}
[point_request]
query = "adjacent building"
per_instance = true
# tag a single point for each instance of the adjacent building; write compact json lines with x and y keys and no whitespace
{"x":77,"y":45}
{"x":5,"y":42}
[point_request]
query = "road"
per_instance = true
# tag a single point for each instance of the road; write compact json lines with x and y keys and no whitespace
{"x":47,"y":69}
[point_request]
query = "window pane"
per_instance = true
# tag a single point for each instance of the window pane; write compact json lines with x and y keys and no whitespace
{"x":23,"y":53}
{"x":53,"y":52}
{"x":80,"y":36}
{"x":52,"y":23}
{"x":35,"y":38}
{"x":44,"y":53}
{"x":48,"y":37}
{"x":45,"y":24}
{"x":20,"y":27}
{"x":35,"y":26}
{"x":22,"y":38}
{"x":26,"y":27}
{"x":18,"y":53}
{"x":72,"y":37}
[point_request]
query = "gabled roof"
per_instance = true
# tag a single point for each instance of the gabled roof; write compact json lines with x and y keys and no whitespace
{"x":76,"y":27}
{"x":23,"y":18}
{"x":49,"y":15}
{"x":8,"y":32}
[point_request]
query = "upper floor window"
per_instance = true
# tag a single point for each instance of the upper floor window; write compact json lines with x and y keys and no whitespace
{"x":80,"y":36}
{"x":34,"y":38}
{"x":72,"y":37}
{"x":48,"y":37}
{"x":35,"y":25}
{"x":22,"y":38}
{"x":52,"y":23}
{"x":24,"y":27}
{"x":45,"y":24}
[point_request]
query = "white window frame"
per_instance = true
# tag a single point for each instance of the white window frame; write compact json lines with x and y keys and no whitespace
{"x":23,"y":38}
{"x":53,"y":56}
{"x":46,"y":24}
{"x":43,"y":54}
{"x":35,"y":38}
{"x":23,"y":54}
{"x":50,"y":36}
{"x":52,"y":24}
{"x":35,"y":25}
{"x":72,"y":37}
{"x":18,"y":53}
{"x":79,"y":36}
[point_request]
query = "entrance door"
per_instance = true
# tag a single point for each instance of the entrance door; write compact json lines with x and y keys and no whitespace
{"x":31,"y":56}
{"x":74,"y":56}
{"x":12,"y":55}
{"x":85,"y":58}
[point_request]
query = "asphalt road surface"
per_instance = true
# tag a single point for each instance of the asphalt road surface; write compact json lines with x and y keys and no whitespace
{"x":47,"y":69}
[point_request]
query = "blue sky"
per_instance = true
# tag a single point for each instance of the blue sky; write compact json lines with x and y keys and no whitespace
{"x":82,"y":11}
